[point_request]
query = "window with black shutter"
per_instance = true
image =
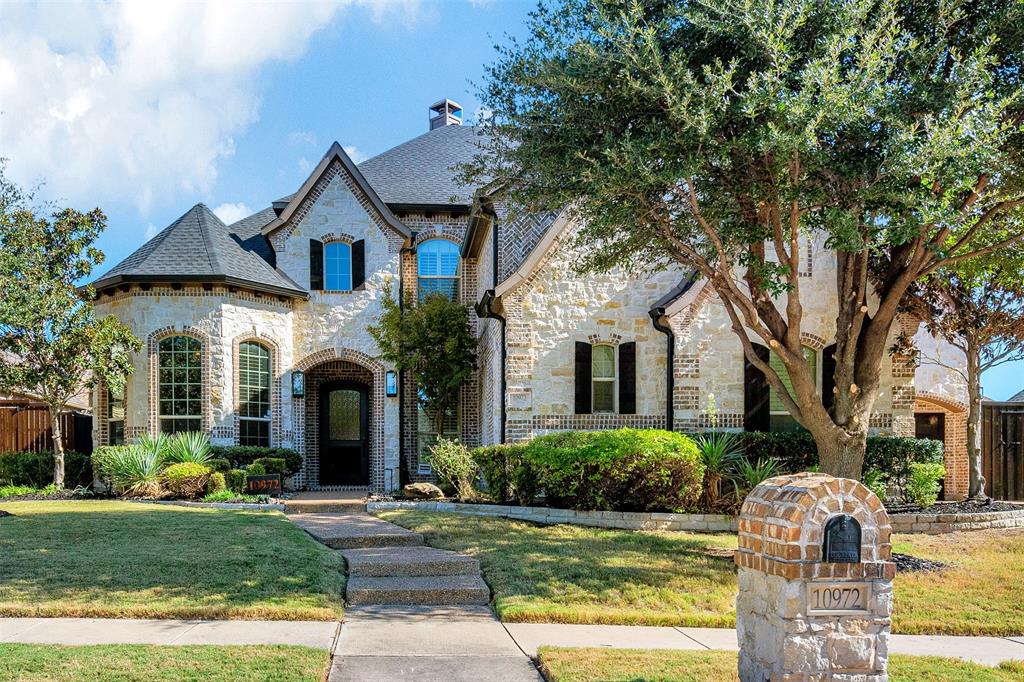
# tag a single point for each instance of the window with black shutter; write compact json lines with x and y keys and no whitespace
{"x":627,"y":378}
{"x":583,"y":371}
{"x":316,"y":265}
{"x":358,"y":264}
{"x":756,"y":398}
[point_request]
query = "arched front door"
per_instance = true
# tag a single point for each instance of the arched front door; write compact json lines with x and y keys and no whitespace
{"x":344,"y":434}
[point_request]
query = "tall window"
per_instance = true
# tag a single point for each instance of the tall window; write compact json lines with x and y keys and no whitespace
{"x":115,"y":416}
{"x":253,"y":394}
{"x":181,"y":384}
{"x":337,"y":266}
{"x":602,"y":375}
{"x":438,"y":262}
{"x":428,"y":432}
{"x":780,"y":419}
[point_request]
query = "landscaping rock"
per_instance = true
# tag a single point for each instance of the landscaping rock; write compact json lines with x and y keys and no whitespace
{"x":423,"y":491}
{"x":906,"y":563}
{"x":3,"y":513}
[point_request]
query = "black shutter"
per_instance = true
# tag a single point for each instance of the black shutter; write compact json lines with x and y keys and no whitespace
{"x":627,"y":378}
{"x":583,"y":377}
{"x":358,"y":263}
{"x":756,"y":404}
{"x":828,"y":377}
{"x":316,"y":265}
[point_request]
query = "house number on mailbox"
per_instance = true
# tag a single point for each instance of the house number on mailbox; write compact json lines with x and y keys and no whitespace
{"x":842,"y":540}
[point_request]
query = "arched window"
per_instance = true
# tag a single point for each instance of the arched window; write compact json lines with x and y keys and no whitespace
{"x":180,"y":384}
{"x":337,"y":266}
{"x":253,"y":394}
{"x":438,"y":266}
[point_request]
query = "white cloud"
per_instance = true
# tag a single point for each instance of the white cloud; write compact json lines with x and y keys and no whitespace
{"x":302,"y":138}
{"x":354,"y":154}
{"x":151,"y":231}
{"x":232,"y":213}
{"x":141,"y":101}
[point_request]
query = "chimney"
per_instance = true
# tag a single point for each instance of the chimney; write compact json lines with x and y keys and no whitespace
{"x":445,"y":113}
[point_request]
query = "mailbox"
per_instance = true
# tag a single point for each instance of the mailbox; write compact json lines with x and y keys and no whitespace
{"x":842,"y":540}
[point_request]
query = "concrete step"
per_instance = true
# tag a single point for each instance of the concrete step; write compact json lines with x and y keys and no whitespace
{"x":408,"y":562}
{"x":445,"y":589}
{"x":313,"y":507}
{"x":348,"y":531}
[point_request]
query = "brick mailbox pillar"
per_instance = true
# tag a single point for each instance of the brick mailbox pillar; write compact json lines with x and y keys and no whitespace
{"x":815,"y":581}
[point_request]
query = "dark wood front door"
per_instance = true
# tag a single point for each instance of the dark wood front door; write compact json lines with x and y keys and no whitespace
{"x":930,"y":425}
{"x":344,"y":434}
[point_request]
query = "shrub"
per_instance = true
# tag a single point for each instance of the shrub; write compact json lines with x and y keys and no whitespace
{"x":241,"y":456}
{"x":186,"y":479}
{"x":719,"y":452}
{"x":507,"y":473}
{"x":236,"y":480}
{"x":622,"y":470}
{"x":748,"y":475}
{"x":187,"y":447}
{"x":255,"y":469}
{"x":35,"y":469}
{"x":219,"y":464}
{"x":16,"y":491}
{"x":132,"y":470}
{"x":216,"y":483}
{"x":454,"y":465}
{"x":232,"y":496}
{"x":155,"y":445}
{"x":875,"y":481}
{"x":272,"y":465}
{"x":923,"y":482}
{"x":896,"y":457}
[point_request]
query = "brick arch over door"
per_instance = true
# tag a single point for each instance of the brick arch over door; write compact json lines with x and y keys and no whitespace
{"x":276,"y":372}
{"x":374,"y":376}
{"x":954,"y":439}
{"x":152,"y":349}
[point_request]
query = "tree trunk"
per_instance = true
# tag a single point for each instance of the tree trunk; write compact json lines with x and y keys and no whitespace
{"x":58,"y":447}
{"x":841,"y":451}
{"x":976,"y":487}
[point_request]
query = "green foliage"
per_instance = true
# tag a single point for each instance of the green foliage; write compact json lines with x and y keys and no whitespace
{"x":50,"y":342}
{"x":431,"y":340}
{"x":875,"y":481}
{"x":455,"y":466}
{"x":185,"y":479}
{"x":242,"y":455}
{"x":219,"y":464}
{"x":16,"y":491}
{"x":719,"y":451}
{"x":750,"y":474}
{"x":154,"y":445}
{"x":216,"y":483}
{"x":896,"y":457}
{"x":132,"y":470}
{"x":232,"y":496}
{"x":187,"y":447}
{"x":621,"y":470}
{"x":236,"y":480}
{"x":35,"y":469}
{"x":923,"y":482}
{"x":507,"y":473}
{"x":272,"y":465}
{"x":256,"y":469}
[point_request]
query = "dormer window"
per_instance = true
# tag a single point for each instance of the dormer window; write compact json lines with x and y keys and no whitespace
{"x":337,"y":266}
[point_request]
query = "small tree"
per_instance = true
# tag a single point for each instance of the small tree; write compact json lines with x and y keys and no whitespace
{"x":50,"y":343}
{"x":718,"y":136}
{"x":978,"y":307}
{"x":432,"y":341}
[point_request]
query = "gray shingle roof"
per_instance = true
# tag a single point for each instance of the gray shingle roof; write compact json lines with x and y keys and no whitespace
{"x":421,"y":171}
{"x":199,"y":246}
{"x":1016,"y":398}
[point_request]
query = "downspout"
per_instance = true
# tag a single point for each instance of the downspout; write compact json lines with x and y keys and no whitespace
{"x":659,"y":320}
{"x":403,"y":474}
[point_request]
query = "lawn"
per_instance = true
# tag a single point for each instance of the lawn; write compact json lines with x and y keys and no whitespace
{"x":572,"y":574}
{"x":649,"y":665}
{"x":138,"y":662}
{"x":131,"y":560}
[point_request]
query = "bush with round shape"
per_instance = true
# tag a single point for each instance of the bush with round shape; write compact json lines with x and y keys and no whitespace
{"x":256,"y":469}
{"x":186,"y":480}
{"x":620,"y":470}
{"x":236,"y":480}
{"x":923,"y":484}
{"x":507,"y":473}
{"x":241,"y":456}
{"x":454,"y":465}
{"x":216,"y":483}
{"x":219,"y":464}
{"x":272,"y":465}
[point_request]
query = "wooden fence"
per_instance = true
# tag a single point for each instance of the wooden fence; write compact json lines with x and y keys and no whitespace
{"x":25,"y":427}
{"x":1002,"y":462}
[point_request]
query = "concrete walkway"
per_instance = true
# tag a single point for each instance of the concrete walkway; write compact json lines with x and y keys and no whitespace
{"x":316,"y":634}
{"x":530,"y":636}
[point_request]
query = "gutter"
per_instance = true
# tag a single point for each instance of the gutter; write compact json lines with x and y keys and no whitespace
{"x":659,"y":320}
{"x":485,"y":310}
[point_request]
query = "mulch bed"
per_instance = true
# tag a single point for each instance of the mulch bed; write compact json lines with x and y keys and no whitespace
{"x":908,"y":564}
{"x":38,"y":497}
{"x":965,"y":507}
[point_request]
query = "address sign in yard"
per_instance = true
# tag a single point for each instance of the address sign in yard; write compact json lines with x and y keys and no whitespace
{"x":837,"y":598}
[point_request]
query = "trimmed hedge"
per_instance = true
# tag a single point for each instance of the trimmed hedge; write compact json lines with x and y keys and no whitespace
{"x":507,"y":473}
{"x":620,"y":470}
{"x":35,"y":469}
{"x":186,"y":479}
{"x":241,"y":456}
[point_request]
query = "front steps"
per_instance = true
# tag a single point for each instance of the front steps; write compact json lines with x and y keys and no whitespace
{"x":388,"y":564}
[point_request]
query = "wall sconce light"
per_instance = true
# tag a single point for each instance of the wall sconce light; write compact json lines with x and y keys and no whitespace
{"x":391,"y":383}
{"x":298,"y":384}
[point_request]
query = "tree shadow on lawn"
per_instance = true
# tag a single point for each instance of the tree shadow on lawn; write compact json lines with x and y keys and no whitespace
{"x":115,"y":558}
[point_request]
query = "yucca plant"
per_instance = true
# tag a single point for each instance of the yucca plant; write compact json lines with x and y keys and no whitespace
{"x":190,"y":446}
{"x":719,"y":450}
{"x":156,"y":445}
{"x":133,"y":470}
{"x":748,"y":475}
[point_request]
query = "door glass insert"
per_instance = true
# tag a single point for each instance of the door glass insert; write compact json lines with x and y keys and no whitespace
{"x":343,"y":415}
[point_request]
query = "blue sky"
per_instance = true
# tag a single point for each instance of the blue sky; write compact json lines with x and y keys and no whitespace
{"x":146,"y":109}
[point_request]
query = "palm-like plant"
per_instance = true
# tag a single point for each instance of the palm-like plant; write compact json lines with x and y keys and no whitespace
{"x":719,"y":451}
{"x":189,"y":446}
{"x":749,"y":475}
{"x":133,"y":470}
{"x":155,"y":445}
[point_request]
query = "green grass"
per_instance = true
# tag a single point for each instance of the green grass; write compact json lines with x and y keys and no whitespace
{"x":572,"y":574}
{"x":653,"y":665}
{"x":131,"y":560}
{"x":149,"y":663}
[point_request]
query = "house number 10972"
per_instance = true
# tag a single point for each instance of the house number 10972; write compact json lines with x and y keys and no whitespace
{"x":827,"y":598}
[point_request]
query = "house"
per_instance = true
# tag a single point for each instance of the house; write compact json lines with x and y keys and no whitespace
{"x":256,"y":332}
